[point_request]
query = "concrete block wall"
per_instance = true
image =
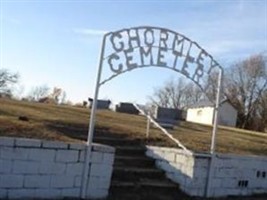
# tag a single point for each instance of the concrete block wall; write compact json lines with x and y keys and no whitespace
{"x":239,"y":175}
{"x":231,"y":174}
{"x":179,"y":167}
{"x":32,"y":168}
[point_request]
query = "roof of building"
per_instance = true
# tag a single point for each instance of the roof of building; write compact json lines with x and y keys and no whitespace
{"x":206,"y":103}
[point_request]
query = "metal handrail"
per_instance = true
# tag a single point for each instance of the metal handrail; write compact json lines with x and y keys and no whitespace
{"x":162,"y":129}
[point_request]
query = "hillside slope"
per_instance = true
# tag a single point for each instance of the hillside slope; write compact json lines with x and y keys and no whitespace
{"x":66,"y":123}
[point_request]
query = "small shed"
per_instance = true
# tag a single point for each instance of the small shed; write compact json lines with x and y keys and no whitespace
{"x":101,"y":104}
{"x":203,"y":113}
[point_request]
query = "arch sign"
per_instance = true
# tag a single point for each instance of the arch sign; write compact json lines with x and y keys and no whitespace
{"x":138,"y":47}
{"x":145,"y":46}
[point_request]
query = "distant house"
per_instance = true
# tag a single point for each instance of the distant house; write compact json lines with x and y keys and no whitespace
{"x":203,"y":112}
{"x":126,"y":108}
{"x":101,"y":104}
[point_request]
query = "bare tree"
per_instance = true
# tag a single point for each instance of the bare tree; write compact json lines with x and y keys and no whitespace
{"x":7,"y":79}
{"x":244,"y":85}
{"x":38,"y":92}
{"x":176,"y":94}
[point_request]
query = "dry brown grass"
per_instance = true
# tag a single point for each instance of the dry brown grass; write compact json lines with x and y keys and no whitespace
{"x":229,"y":140}
{"x":67,"y":123}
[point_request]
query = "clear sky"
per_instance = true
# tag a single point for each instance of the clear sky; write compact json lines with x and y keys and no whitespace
{"x":57,"y":43}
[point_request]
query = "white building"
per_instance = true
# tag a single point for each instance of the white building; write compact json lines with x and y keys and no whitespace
{"x":203,"y":113}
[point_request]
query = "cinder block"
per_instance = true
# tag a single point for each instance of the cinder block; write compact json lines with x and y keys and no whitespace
{"x":175,"y":165}
{"x":7,"y":141}
{"x":22,"y":142}
{"x":5,"y":166}
{"x":78,"y":181}
{"x":105,"y":183}
{"x":227,"y":172}
{"x":96,"y":157}
{"x":101,"y":170}
{"x":229,"y":183}
{"x":42,"y":154}
{"x":70,"y":192}
{"x":62,"y":181}
{"x":11,"y":181}
{"x":74,"y":168}
{"x":201,"y":162}
{"x":108,"y":158}
{"x":67,"y":156}
{"x":177,"y":178}
{"x":152,"y":154}
{"x":52,"y":168}
{"x":103,"y":148}
{"x":169,"y":156}
{"x":179,"y":158}
{"x":99,"y":183}
{"x":167,"y":167}
{"x":12,"y":153}
{"x":81,"y":156}
{"x":77,"y":146}
{"x":200,"y":172}
{"x":21,"y":193}
{"x":198,"y":183}
{"x":25,"y":167}
{"x":96,"y":170}
{"x":193,"y":192}
{"x":48,"y":193}
{"x":3,"y":193}
{"x":222,"y":192}
{"x":97,"y":193}
{"x":55,"y":145}
{"x":37,"y":181}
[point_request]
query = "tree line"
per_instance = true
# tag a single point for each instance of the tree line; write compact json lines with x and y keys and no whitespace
{"x":40,"y":93}
{"x":244,"y":85}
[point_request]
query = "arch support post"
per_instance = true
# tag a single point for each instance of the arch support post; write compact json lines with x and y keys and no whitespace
{"x":85,"y":178}
{"x":216,"y":114}
{"x":214,"y":133}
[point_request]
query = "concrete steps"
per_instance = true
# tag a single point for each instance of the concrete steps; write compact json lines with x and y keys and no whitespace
{"x":135,"y":176}
{"x":133,"y":161}
{"x":115,"y":141}
{"x":136,"y":173}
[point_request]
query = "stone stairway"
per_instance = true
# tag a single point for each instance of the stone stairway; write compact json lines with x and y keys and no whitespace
{"x":135,"y":176}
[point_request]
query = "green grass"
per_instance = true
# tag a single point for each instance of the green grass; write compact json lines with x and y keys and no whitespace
{"x":66,"y":123}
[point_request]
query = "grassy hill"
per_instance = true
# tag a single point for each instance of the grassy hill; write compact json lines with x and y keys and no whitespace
{"x":66,"y":123}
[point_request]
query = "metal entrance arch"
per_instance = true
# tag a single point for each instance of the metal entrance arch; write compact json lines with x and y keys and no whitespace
{"x":146,"y":46}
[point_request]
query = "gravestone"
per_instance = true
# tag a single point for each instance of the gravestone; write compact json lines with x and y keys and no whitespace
{"x":126,"y":108}
{"x":167,"y":117}
{"x":101,"y":104}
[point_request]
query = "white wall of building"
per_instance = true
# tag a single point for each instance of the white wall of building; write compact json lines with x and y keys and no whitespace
{"x":204,"y":115}
{"x":52,"y":170}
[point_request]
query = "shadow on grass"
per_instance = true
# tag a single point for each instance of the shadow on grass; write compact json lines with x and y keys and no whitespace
{"x":79,"y":131}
